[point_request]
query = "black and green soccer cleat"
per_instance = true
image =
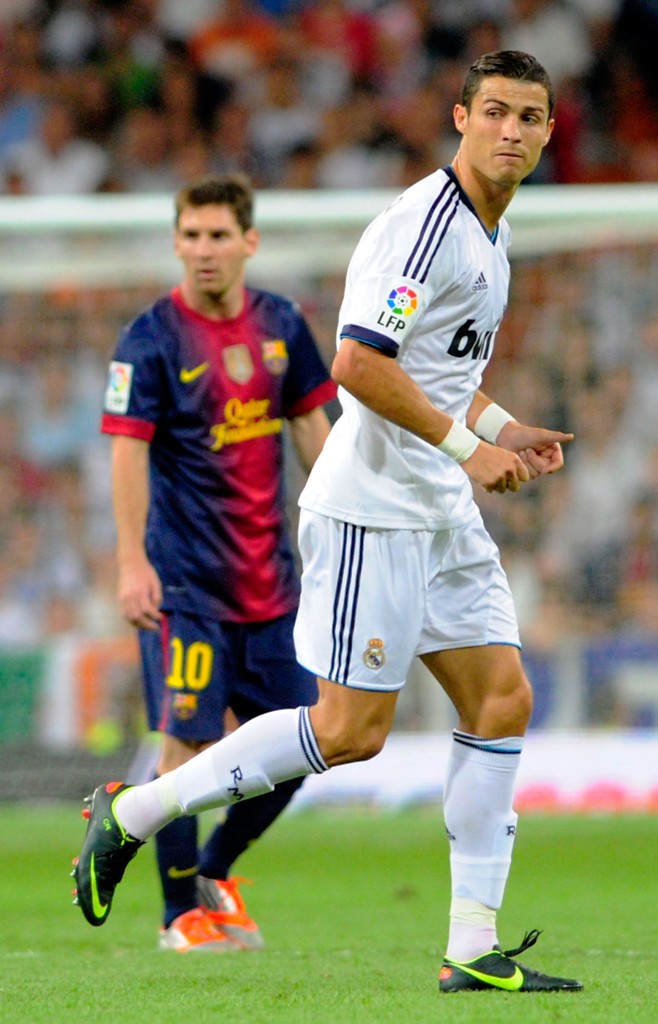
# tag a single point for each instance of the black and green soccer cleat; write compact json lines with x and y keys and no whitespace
{"x":497,"y":970}
{"x":106,"y":852}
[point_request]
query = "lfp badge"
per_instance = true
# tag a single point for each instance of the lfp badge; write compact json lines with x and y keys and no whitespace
{"x":403,"y":301}
{"x":117,"y":395}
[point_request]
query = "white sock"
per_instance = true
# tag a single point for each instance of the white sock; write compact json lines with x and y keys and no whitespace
{"x":272,"y":748}
{"x":472,"y":929}
{"x":481,"y":826}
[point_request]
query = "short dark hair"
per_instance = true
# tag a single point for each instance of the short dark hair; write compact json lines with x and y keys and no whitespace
{"x":234,"y":190}
{"x":507,"y":64}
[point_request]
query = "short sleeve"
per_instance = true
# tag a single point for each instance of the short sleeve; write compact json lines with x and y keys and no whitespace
{"x":134,"y":393}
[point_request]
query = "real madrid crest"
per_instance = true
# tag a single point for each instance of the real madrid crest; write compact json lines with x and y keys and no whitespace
{"x":373,"y":656}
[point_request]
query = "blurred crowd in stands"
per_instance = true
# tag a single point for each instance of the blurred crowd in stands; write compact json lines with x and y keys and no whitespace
{"x":143,"y":95}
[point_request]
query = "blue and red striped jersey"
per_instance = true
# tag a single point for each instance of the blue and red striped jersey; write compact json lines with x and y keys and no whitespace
{"x":210,"y":397}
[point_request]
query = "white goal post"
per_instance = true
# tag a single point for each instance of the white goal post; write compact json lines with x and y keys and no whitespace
{"x":123,"y":239}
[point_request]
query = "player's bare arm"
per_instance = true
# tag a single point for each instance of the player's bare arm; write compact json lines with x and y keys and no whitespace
{"x":139,"y":587}
{"x":380,"y":383}
{"x":309,"y":432}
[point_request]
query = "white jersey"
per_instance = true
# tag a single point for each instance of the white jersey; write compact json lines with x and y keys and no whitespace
{"x":427,"y":285}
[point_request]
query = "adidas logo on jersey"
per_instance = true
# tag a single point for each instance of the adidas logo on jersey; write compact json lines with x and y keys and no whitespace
{"x":481,"y":283}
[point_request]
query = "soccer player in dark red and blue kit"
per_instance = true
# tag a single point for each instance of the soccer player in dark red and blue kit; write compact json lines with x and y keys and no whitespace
{"x":199,"y":390}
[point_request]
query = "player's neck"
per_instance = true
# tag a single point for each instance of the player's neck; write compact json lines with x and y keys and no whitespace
{"x":489,"y":200}
{"x":225,"y":306}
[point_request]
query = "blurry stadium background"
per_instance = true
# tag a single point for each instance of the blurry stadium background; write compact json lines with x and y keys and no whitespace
{"x":106,"y":107}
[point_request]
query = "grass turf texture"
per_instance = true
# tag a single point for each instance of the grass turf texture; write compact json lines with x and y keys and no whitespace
{"x":353,"y":906}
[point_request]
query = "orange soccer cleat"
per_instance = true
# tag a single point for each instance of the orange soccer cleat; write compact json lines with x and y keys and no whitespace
{"x":194,"y":932}
{"x":225,"y":906}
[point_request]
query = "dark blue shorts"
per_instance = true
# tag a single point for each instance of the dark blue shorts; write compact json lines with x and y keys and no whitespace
{"x":195,"y":668}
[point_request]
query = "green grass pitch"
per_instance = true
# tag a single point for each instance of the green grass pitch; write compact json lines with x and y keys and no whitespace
{"x":353,"y":905}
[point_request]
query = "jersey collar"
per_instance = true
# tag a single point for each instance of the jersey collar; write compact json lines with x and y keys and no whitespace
{"x":491,"y":235}
{"x":178,"y":299}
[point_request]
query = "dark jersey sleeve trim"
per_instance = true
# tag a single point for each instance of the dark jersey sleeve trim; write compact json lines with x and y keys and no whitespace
{"x":324,"y":392}
{"x":372,"y":338}
{"x":128,"y":427}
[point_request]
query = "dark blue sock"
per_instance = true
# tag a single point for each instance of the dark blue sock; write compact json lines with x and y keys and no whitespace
{"x":176,"y":852}
{"x":243,"y":824}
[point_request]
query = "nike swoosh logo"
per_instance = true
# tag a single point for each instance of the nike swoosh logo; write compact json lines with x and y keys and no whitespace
{"x":182,"y":872}
{"x":511,"y":984}
{"x":100,"y":909}
{"x":187,"y":376}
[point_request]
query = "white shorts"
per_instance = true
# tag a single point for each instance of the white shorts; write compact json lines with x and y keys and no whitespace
{"x":373,"y":599}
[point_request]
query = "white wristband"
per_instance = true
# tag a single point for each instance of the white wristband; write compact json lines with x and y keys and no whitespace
{"x":459,"y":443}
{"x":491,"y":421}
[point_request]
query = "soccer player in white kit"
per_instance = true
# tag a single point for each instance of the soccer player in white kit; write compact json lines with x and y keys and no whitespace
{"x":396,"y":560}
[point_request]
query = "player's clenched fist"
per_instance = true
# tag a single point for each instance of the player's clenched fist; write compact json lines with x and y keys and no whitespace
{"x":540,"y":449}
{"x":496,"y":469}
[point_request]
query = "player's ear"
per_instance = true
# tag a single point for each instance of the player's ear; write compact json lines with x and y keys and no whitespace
{"x":549,"y":131}
{"x":460,"y":116}
{"x":252,"y":238}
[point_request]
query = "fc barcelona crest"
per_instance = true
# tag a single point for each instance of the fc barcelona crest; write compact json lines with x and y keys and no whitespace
{"x":275,"y":356}
{"x":184,"y":706}
{"x":238,"y":363}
